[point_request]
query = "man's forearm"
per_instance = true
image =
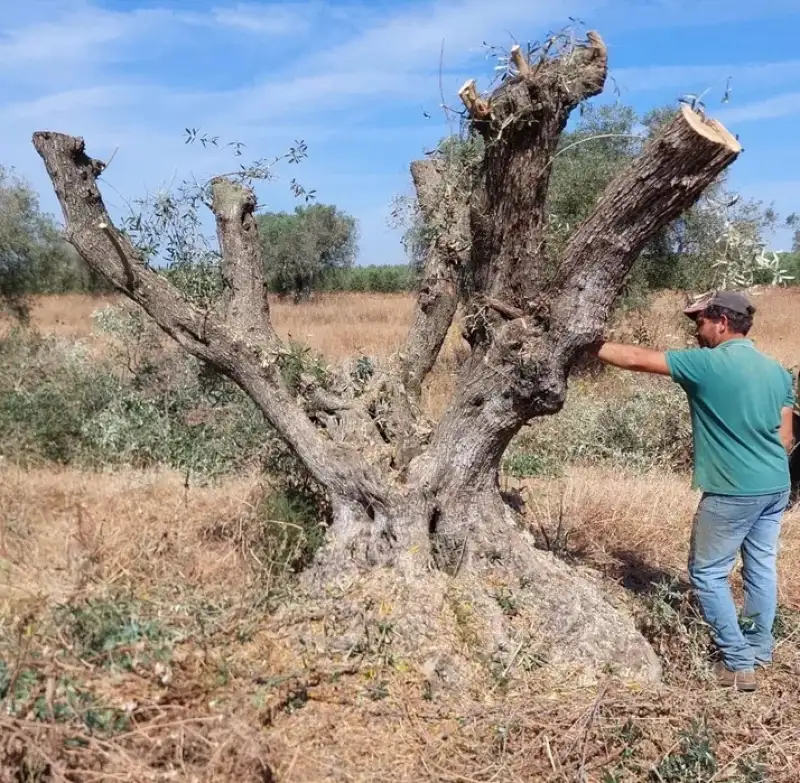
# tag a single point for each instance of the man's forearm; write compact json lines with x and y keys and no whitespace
{"x":633,"y":357}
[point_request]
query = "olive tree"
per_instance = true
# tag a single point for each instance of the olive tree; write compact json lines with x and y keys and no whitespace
{"x":419,"y":526}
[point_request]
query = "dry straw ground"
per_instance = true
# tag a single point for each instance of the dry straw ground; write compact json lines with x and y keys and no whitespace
{"x":227,"y":703}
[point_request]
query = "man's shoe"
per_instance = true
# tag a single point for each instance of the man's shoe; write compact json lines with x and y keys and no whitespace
{"x":744,"y":680}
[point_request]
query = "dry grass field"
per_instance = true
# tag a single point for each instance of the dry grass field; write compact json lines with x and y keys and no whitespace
{"x":227,"y":703}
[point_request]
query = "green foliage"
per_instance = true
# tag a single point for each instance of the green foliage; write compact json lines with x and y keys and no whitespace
{"x":787,"y":623}
{"x":459,"y":157}
{"x":114,"y":632}
{"x":49,"y":389}
{"x":693,"y":762}
{"x":791,"y":263}
{"x":303,"y":247}
{"x":166,"y":229}
{"x":144,"y":406}
{"x":524,"y":464}
{"x":648,"y":427}
{"x":57,"y":403}
{"x":34,"y":258}
{"x":588,"y":158}
{"x":24,"y":694}
{"x":720,"y":241}
{"x":384,"y":279}
{"x":292,"y":519}
{"x":198,"y":279}
{"x":300,"y":362}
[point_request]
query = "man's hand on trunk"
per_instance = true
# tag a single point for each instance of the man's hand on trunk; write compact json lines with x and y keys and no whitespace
{"x":633,"y":357}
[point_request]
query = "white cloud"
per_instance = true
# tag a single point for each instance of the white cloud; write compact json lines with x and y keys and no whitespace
{"x":270,"y":21}
{"x":784,"y":105}
{"x":71,"y":103}
{"x":698,"y":78}
{"x":75,"y":32}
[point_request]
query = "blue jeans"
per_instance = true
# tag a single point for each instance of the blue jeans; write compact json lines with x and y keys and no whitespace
{"x":723,"y":526}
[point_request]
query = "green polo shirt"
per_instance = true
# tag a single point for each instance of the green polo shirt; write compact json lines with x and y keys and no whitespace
{"x":736,"y":394}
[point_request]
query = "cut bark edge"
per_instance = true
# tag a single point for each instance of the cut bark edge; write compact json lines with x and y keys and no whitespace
{"x":711,"y":129}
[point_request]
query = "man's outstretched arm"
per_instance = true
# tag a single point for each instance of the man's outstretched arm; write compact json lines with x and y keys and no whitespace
{"x":633,"y":357}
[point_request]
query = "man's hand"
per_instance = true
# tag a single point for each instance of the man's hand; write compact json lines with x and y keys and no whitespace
{"x":632,"y":357}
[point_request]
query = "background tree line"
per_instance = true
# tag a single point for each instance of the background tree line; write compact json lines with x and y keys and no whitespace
{"x":720,"y":241}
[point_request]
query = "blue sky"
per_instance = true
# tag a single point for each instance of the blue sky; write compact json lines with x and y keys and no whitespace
{"x":354,"y":81}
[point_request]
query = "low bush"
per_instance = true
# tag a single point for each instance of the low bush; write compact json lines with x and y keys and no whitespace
{"x":60,"y":404}
{"x":647,"y":427}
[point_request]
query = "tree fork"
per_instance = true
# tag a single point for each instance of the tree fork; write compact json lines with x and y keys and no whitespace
{"x":519,"y":368}
{"x":246,"y":350}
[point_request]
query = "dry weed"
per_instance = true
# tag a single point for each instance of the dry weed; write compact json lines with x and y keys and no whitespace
{"x":70,"y":536}
{"x":237,"y":703}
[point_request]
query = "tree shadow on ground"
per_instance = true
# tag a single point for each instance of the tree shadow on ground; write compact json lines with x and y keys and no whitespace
{"x":639,"y":576}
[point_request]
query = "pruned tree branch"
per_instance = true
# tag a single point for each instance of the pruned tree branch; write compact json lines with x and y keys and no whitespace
{"x":666,"y":179}
{"x":444,"y":209}
{"x":244,"y":300}
{"x":252,"y":364}
{"x":477,"y":107}
{"x":508,"y":218}
{"x":507,"y":311}
{"x":520,"y":61}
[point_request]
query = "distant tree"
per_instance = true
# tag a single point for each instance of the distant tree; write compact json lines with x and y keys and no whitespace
{"x":302,"y":247}
{"x":34,"y":257}
{"x":793,"y":222}
{"x":718,"y":241}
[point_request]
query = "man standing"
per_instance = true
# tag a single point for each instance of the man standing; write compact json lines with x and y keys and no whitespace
{"x":741,"y":408}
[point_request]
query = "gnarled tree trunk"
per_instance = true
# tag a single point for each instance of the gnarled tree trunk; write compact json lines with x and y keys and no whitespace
{"x":418,"y":519}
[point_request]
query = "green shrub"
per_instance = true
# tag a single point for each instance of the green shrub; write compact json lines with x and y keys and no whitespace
{"x":49,"y":389}
{"x":292,"y":526}
{"x":24,"y":694}
{"x":377,"y":278}
{"x":693,"y":762}
{"x":144,"y":406}
{"x":648,"y":427}
{"x":114,"y":632}
{"x":59,"y":404}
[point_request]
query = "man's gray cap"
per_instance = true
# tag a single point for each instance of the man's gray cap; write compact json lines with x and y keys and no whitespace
{"x":730,"y":300}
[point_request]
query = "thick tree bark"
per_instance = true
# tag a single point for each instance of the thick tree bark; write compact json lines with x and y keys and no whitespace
{"x":521,"y":125}
{"x":519,"y":367}
{"x":417,"y":508}
{"x":670,"y":175}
